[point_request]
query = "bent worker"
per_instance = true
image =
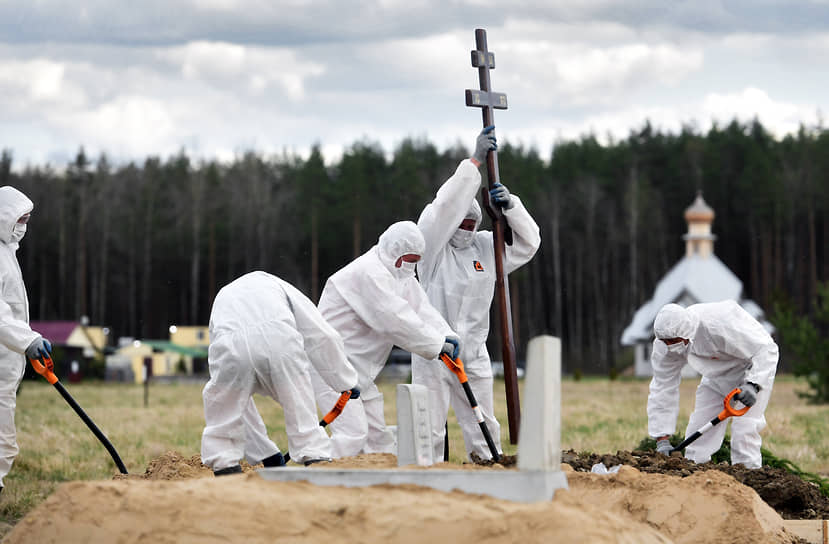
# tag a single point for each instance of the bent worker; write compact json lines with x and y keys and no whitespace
{"x":721,"y":341}
{"x":457,"y":272}
{"x":16,"y":337}
{"x":265,"y":336}
{"x":375,"y":303}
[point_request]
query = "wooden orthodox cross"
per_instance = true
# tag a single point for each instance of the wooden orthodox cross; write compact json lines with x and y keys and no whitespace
{"x":484,"y":98}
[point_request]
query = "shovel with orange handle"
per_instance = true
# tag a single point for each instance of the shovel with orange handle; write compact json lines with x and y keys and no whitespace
{"x":334,"y":413}
{"x":45,"y":367}
{"x":456,"y":366}
{"x":727,"y":412}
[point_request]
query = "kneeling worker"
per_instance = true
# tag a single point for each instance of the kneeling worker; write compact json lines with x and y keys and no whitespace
{"x":265,"y":336}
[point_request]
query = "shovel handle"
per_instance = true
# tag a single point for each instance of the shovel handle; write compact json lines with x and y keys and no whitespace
{"x":337,"y":409}
{"x":456,"y":366}
{"x":728,"y":410}
{"x":45,"y":367}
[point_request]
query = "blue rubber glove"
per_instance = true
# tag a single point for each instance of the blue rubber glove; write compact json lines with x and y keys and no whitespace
{"x":451,"y":347}
{"x":500,"y":195}
{"x":485,"y":142}
{"x":355,"y":393}
{"x":748,"y":394}
{"x":664,"y":446}
{"x":39,"y":348}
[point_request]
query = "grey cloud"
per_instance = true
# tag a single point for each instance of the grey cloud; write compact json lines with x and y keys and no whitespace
{"x":158,"y":22}
{"x":712,"y":17}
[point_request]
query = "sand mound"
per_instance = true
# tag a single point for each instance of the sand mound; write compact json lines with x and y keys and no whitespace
{"x":788,"y":494}
{"x":171,"y":466}
{"x":709,"y":507}
{"x":247,"y":508}
{"x":172,"y":502}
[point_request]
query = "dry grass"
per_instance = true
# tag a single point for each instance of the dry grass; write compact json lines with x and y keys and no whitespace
{"x":597,"y":415}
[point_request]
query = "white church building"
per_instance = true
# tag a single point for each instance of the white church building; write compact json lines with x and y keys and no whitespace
{"x":698,"y":277}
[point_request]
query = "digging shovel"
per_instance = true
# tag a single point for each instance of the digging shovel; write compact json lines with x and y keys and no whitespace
{"x":332,"y":415}
{"x":728,"y":411}
{"x":456,"y":366}
{"x":45,"y":367}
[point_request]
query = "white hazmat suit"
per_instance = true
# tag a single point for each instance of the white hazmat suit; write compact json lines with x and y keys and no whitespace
{"x":375,"y":305}
{"x":457,"y":272}
{"x":15,"y":333}
{"x":265,"y":337}
{"x":728,"y":348}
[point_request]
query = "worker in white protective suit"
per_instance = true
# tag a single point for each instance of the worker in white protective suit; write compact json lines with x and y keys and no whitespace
{"x":457,"y":272}
{"x":17,"y":339}
{"x":721,"y":341}
{"x":375,"y":303}
{"x":265,"y":337}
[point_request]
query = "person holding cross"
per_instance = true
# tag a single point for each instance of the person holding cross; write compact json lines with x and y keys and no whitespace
{"x":457,"y":272}
{"x":375,"y":303}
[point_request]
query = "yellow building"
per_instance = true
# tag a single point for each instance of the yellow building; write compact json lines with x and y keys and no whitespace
{"x":190,"y":336}
{"x":164,"y":358}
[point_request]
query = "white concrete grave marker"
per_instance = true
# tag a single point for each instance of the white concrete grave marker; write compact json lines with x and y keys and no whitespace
{"x":414,"y":444}
{"x":539,"y":442}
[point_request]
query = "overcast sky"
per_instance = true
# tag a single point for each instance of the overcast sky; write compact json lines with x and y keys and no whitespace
{"x":219,"y":77}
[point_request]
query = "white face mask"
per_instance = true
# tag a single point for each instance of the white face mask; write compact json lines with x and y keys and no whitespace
{"x":405,"y":270}
{"x":18,"y":231}
{"x":679,"y":348}
{"x":462,"y":238}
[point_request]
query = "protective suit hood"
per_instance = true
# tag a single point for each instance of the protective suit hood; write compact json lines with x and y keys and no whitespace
{"x":463,"y":238}
{"x":399,"y":239}
{"x":13,"y":204}
{"x":674,"y":321}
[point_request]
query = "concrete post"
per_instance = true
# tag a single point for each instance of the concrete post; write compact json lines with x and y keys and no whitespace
{"x":539,"y":444}
{"x":414,"y":436}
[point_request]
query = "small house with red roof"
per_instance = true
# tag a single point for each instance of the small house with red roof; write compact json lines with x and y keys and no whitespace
{"x":72,"y":341}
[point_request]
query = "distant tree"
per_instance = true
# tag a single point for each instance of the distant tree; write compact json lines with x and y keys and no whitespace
{"x":361,"y":174}
{"x":5,"y":166}
{"x":805,"y":338}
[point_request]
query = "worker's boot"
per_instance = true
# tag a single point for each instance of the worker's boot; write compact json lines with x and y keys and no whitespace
{"x":235,"y":469}
{"x":275,"y":460}
{"x":312,"y":461}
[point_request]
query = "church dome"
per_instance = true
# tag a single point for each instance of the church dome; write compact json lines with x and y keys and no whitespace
{"x":699,"y":211}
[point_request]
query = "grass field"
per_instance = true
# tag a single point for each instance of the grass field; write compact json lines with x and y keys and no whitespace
{"x":597,"y":415}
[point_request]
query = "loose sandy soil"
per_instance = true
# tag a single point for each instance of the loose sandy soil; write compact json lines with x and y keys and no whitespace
{"x":178,"y":500}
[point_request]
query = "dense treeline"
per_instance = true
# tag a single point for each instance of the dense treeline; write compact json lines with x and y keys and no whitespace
{"x":142,"y":246}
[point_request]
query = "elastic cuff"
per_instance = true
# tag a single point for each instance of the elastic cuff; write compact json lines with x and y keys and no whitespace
{"x":475,"y":161}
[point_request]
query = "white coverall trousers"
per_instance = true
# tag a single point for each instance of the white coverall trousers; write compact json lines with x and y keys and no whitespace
{"x":361,"y":427}
{"x":445,"y":390}
{"x":12,"y":366}
{"x":269,"y":360}
{"x":745,"y":429}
